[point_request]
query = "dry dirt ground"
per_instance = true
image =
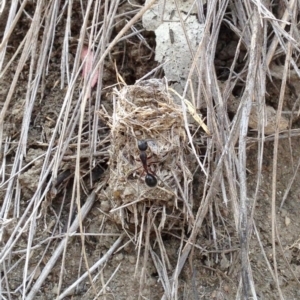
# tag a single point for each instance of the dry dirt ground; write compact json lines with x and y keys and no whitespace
{"x":213,"y":270}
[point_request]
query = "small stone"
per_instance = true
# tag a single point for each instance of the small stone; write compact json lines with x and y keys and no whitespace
{"x":105,"y":206}
{"x":226,"y":288}
{"x":119,"y":257}
{"x":131,"y":259}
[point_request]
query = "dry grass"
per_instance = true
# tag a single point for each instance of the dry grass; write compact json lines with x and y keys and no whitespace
{"x":77,"y":135}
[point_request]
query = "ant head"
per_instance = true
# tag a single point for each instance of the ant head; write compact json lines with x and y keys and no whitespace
{"x":142,"y":144}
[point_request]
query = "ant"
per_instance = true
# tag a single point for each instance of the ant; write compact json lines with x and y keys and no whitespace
{"x":150,"y":179}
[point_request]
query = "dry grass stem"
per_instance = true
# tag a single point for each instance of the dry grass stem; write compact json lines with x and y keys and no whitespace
{"x":170,"y":171}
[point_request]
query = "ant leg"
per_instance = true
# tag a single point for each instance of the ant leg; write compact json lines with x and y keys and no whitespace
{"x":147,"y":159}
{"x":152,"y":172}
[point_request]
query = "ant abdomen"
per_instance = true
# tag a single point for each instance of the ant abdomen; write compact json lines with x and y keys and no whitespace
{"x":150,"y":180}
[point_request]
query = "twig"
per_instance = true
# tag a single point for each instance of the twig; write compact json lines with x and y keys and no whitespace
{"x":55,"y":256}
{"x":100,"y":262}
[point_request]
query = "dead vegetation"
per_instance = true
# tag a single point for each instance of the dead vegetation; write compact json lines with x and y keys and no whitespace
{"x":77,"y":218}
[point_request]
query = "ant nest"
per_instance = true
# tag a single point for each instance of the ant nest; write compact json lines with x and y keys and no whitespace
{"x":150,"y":176}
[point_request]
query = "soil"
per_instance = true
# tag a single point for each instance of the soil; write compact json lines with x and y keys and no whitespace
{"x":213,"y":268}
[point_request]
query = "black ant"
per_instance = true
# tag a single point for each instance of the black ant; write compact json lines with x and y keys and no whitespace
{"x":150,"y":179}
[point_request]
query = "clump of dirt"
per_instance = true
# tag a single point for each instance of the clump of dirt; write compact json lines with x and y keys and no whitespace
{"x":147,"y":122}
